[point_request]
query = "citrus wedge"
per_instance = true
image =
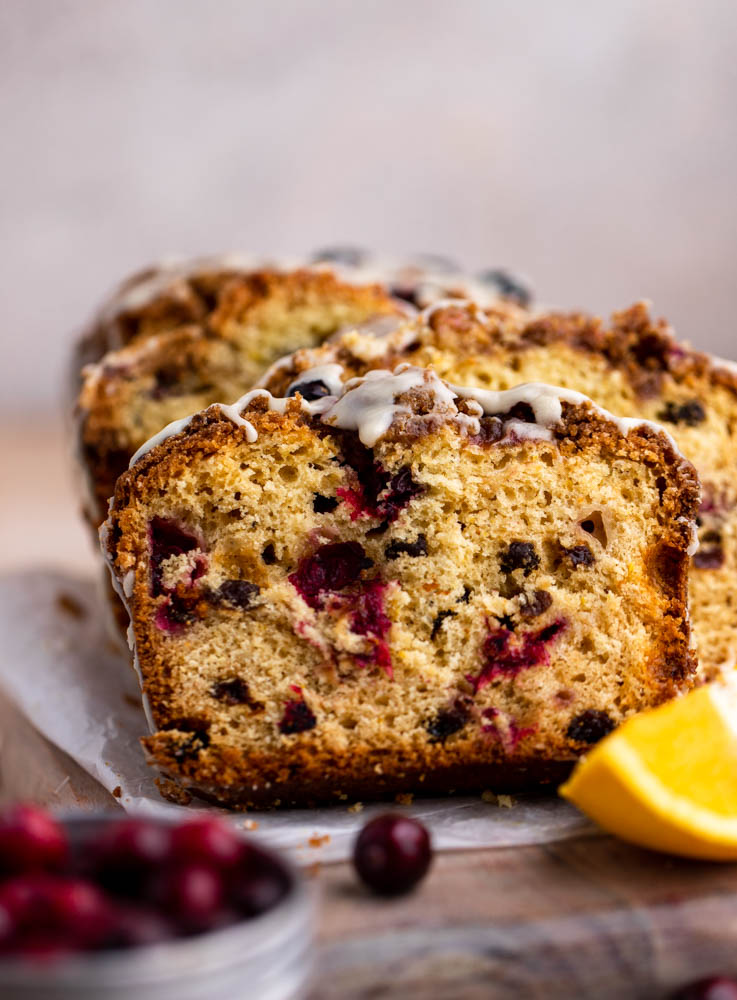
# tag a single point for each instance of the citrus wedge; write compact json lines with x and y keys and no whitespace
{"x":667,"y":779}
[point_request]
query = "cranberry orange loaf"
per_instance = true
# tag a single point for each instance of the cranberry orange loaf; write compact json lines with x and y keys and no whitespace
{"x":396,"y":584}
{"x":171,"y":342}
{"x":633,"y":367}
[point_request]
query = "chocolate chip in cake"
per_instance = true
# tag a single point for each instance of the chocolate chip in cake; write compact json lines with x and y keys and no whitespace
{"x":235,"y":692}
{"x":309,"y":391}
{"x":465,"y":596}
{"x":448,"y":721}
{"x":590,"y":726}
{"x":580,"y":555}
{"x":519,"y":555}
{"x":691,"y":413}
{"x":324,"y":505}
{"x":535,"y":605}
{"x":269,"y":555}
{"x":298,"y":718}
{"x":397,"y":548}
{"x":439,"y":619}
{"x":236,"y":593}
{"x":508,"y":285}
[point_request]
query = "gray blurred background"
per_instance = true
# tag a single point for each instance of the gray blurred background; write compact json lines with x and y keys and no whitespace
{"x":591,"y":145}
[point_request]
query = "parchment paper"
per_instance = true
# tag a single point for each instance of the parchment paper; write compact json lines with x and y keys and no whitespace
{"x":64,"y":673}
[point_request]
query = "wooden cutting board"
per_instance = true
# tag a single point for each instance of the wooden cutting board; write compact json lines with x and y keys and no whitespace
{"x":585,"y":918}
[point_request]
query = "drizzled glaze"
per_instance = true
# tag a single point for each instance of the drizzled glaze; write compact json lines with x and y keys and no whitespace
{"x":369,"y":405}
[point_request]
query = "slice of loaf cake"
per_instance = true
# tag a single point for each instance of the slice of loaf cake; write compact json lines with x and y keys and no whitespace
{"x":171,"y":342}
{"x":396,"y":584}
{"x":633,"y":367}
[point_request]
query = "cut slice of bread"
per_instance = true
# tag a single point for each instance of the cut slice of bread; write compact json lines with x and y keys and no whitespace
{"x":634,"y":367}
{"x":399,"y":585}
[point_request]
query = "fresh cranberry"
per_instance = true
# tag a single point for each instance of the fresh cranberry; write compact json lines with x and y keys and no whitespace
{"x":78,"y":909}
{"x":191,"y":894}
{"x":259,"y":886}
{"x":127,"y":852}
{"x":206,"y":840}
{"x":713,"y":988}
{"x":392,"y":853}
{"x":137,"y":926}
{"x":333,"y":567}
{"x":30,"y":840}
{"x":8,"y":928}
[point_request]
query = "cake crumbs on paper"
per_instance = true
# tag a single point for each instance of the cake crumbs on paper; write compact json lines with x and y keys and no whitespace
{"x":319,"y":840}
{"x":504,"y":801}
{"x":250,"y":824}
{"x":404,"y":798}
{"x":357,"y":807}
{"x":117,"y":792}
{"x":313,"y":870}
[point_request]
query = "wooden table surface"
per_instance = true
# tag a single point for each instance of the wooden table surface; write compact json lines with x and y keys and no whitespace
{"x":584,"y":918}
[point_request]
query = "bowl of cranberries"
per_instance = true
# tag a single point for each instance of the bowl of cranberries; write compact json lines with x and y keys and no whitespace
{"x":101,"y":906}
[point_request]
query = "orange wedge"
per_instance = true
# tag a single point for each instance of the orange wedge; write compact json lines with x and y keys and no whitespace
{"x":667,"y":779}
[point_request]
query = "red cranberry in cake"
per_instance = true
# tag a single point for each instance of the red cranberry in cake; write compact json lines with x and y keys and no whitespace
{"x":392,"y":854}
{"x":332,"y":568}
{"x":416,"y":637}
{"x":30,"y":840}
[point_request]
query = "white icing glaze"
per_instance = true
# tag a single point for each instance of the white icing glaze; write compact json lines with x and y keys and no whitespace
{"x":124,"y":592}
{"x":166,"y":432}
{"x":724,"y":364}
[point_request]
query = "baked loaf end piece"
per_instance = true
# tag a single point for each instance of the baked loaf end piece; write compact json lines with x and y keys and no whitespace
{"x":402,"y":586}
{"x":172,"y":342}
{"x":633,"y":366}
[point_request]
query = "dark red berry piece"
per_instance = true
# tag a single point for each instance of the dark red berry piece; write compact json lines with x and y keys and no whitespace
{"x":713,"y":988}
{"x":78,"y":909}
{"x":333,"y":567}
{"x":133,"y":926}
{"x":8,"y":928}
{"x":298,"y":718}
{"x":590,"y":726}
{"x":506,"y":655}
{"x":166,"y":539}
{"x":392,"y":853}
{"x":190,"y":894}
{"x":128,"y":852}
{"x":30,"y":840}
{"x":208,"y":841}
{"x":259,"y":886}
